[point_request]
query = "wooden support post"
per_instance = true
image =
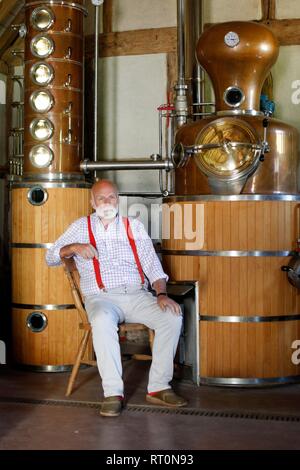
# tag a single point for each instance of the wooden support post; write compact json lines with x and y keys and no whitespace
{"x":171,"y":74}
{"x":268,"y":8}
{"x":107,"y":16}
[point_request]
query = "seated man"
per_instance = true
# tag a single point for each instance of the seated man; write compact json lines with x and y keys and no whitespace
{"x":112,"y":255}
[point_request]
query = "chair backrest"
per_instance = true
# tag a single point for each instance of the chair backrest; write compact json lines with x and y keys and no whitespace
{"x":72,"y":273}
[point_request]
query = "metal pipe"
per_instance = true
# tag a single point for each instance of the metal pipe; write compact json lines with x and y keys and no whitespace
{"x":181,"y":105}
{"x":194,"y":75}
{"x":195,"y":71}
{"x":97,"y":5}
{"x":190,"y":84}
{"x":87,"y":165}
{"x":181,"y":41}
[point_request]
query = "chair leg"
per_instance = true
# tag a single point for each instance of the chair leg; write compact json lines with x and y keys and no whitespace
{"x":146,"y":357}
{"x":151,"y":338}
{"x":76,"y":366}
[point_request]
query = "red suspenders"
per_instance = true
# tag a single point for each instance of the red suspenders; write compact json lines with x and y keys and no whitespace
{"x":132,"y":244}
{"x":95,"y":260}
{"x":133,"y":247}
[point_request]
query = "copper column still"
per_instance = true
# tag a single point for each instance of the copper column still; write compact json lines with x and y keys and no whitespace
{"x":52,"y":192}
{"x":238,"y":150}
{"x":54,"y":75}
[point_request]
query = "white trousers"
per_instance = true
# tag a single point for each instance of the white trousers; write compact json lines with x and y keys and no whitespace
{"x":132,"y":305}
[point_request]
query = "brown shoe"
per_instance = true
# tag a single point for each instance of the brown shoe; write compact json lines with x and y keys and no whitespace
{"x":166,"y":397}
{"x":111,"y":406}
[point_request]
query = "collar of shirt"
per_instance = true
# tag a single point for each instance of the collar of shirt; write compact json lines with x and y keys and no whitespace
{"x":110,"y":226}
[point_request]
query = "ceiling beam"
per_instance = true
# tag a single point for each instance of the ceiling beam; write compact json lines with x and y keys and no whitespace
{"x":138,"y":42}
{"x":7,"y":18}
{"x":286,"y":31}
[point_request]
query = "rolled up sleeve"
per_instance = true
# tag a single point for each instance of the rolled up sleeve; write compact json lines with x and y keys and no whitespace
{"x":71,"y":235}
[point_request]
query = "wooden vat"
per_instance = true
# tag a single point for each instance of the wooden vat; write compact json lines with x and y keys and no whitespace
{"x":44,"y":319}
{"x":249,"y":313}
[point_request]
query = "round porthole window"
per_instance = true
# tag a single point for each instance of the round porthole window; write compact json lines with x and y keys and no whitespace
{"x":42,"y":73}
{"x":41,"y":101}
{"x":41,"y":156}
{"x":234,"y":96}
{"x":36,"y":322}
{"x":42,"y":18}
{"x":42,"y":46}
{"x":41,"y":129}
{"x":37,"y":196}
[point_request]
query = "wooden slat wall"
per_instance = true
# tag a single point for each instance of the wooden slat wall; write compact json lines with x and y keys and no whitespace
{"x":36,"y":283}
{"x":242,"y":286}
{"x":236,"y":225}
{"x":248,"y":350}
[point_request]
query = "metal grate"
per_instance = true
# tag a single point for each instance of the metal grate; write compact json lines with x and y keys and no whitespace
{"x":158,"y":409}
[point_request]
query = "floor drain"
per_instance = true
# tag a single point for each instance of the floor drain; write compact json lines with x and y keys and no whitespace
{"x":156,"y":409}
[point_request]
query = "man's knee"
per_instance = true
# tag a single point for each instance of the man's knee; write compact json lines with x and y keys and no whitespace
{"x":104,"y":319}
{"x":171,"y":321}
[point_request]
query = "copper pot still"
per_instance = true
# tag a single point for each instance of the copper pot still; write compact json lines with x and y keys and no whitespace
{"x":238,"y":149}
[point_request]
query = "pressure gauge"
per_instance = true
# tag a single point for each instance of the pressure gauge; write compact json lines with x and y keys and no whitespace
{"x":231,"y":39}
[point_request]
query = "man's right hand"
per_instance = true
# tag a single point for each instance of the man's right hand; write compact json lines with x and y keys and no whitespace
{"x":85,"y":250}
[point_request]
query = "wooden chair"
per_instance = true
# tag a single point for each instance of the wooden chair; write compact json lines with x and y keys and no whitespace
{"x":74,"y":280}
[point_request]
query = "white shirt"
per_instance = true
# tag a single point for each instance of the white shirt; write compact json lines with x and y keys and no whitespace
{"x":117,"y":263}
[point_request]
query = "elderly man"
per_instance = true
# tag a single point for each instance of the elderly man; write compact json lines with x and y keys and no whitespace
{"x":114,"y":255}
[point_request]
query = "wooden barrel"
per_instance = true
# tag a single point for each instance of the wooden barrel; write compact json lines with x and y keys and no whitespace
{"x":44,"y":319}
{"x":249,"y":313}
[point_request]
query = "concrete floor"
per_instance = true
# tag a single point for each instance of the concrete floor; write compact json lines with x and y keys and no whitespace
{"x":35,"y":415}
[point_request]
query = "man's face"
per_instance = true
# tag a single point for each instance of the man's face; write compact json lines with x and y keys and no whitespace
{"x":104,"y":195}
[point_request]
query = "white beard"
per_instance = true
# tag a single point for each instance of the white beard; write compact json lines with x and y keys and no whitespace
{"x":106,"y":212}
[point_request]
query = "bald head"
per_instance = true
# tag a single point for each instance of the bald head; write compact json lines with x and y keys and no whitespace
{"x":104,"y":185}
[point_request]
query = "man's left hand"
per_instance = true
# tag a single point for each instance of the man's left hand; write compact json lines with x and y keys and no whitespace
{"x":165,"y":302}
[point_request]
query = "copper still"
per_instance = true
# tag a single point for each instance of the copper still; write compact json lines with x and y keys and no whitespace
{"x":53,"y":90}
{"x":236,"y":191}
{"x":238,"y":149}
{"x":52,"y":192}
